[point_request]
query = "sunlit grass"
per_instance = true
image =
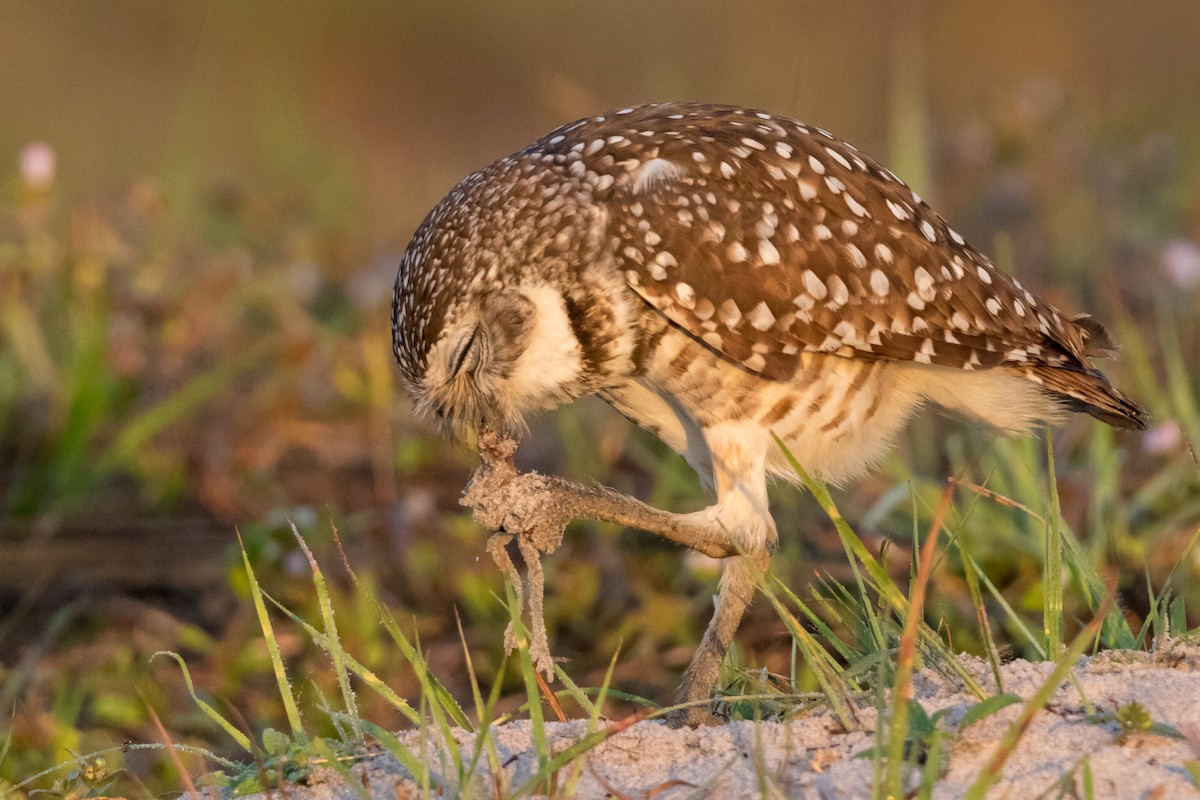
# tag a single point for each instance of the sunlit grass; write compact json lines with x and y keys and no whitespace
{"x":889,"y":639}
{"x":175,"y":361}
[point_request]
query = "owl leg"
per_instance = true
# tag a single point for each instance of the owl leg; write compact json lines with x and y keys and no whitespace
{"x":742,"y":514}
{"x":738,"y":531}
{"x":738,"y":528}
{"x":739,"y":576}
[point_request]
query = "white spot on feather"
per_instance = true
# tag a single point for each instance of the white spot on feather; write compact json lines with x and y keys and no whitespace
{"x":767,"y":253}
{"x":760,"y":317}
{"x":838,"y":292}
{"x":813,"y":285}
{"x":856,"y":256}
{"x":879,"y":283}
{"x":729,"y":313}
{"x":838,"y":157}
{"x":685,"y":294}
{"x":654,"y":172}
{"x":898,"y":211}
{"x":855,"y":206}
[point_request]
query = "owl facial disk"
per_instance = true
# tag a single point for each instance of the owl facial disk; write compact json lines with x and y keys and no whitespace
{"x":511,"y":353}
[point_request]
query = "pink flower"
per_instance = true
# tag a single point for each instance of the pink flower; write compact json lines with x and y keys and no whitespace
{"x":1163,"y":439}
{"x":38,"y":165}
{"x":1180,"y":260}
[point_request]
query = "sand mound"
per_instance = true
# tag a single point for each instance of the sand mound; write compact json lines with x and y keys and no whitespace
{"x":813,"y":758}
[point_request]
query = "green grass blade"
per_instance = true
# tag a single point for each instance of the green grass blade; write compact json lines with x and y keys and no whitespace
{"x":1089,"y":789}
{"x":848,"y":654}
{"x":981,"y":617}
{"x":819,"y":661}
{"x":570,"y":786}
{"x":321,"y":748}
{"x":1052,"y":574}
{"x":438,"y":711}
{"x":985,"y":708}
{"x":537,"y":721}
{"x":242,"y":739}
{"x":281,"y":678}
{"x":882,"y":582}
{"x":1177,"y":617}
{"x":416,"y":767}
{"x":1008,"y":743}
{"x":429,"y":683}
{"x":560,"y":760}
{"x":1034,"y":640}
{"x":336,"y":653}
{"x":373,"y":681}
{"x":1114,"y":631}
{"x":134,"y":435}
{"x":573,"y":691}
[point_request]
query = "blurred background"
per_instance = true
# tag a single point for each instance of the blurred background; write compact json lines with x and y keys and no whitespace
{"x":202,"y":208}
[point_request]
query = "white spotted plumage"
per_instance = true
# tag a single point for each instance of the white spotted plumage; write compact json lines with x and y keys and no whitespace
{"x":723,"y":275}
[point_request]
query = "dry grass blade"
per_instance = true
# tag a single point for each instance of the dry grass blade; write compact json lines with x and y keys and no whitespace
{"x":588,"y":742}
{"x":551,"y":698}
{"x":654,"y":791}
{"x":998,"y":498}
{"x":176,"y":761}
{"x":902,"y":689}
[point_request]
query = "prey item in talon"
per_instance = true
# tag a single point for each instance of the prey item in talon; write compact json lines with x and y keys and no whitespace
{"x":521,"y":507}
{"x":723,"y":276}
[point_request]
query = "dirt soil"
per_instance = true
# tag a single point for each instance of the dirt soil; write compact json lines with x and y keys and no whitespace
{"x":812,"y":758}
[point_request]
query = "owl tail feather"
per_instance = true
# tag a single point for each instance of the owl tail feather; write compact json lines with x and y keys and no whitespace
{"x":1090,"y":392}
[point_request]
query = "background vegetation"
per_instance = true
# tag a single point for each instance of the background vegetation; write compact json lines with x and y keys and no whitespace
{"x":202,"y":210}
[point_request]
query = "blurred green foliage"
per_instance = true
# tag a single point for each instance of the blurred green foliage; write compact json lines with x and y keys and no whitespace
{"x":193,"y":325}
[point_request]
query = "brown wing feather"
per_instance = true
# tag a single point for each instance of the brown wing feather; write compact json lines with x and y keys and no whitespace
{"x":843,"y":256}
{"x":765,"y":239}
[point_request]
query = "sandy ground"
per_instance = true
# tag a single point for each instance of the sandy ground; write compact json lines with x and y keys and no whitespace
{"x":812,"y":758}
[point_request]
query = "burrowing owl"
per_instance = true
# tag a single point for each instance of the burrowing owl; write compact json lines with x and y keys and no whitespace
{"x":720,"y":275}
